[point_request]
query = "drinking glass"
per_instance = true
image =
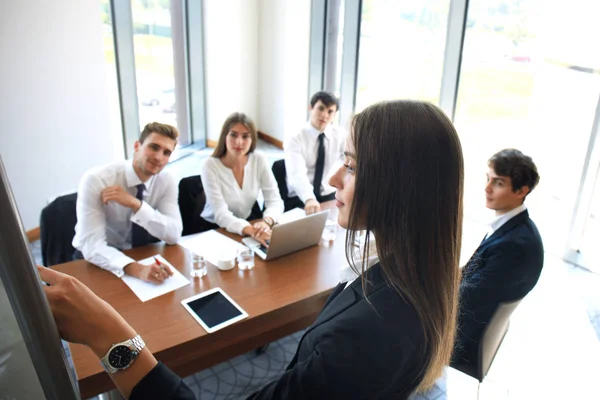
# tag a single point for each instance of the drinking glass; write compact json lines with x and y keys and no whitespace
{"x":245,"y":258}
{"x":330,"y":230}
{"x":199,"y":268}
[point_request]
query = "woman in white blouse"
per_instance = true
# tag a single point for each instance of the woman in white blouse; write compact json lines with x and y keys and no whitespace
{"x":232,"y":178}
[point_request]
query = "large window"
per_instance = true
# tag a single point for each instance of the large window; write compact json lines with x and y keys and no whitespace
{"x":591,"y":232}
{"x":154,"y":66}
{"x":156,"y":46}
{"x":521,"y":88}
{"x":401,"y":50}
{"x":511,"y":73}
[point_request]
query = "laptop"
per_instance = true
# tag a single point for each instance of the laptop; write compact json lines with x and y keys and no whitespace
{"x":291,"y":236}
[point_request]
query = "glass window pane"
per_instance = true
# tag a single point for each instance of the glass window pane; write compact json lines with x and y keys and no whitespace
{"x":154,"y":65}
{"x":401,"y":51}
{"x":591,"y":234}
{"x":524,"y":85}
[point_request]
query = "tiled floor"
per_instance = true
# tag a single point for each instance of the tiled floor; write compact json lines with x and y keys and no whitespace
{"x":568,"y":289}
{"x":243,"y":375}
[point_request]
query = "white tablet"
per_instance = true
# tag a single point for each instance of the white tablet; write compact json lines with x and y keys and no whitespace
{"x":214,"y":309}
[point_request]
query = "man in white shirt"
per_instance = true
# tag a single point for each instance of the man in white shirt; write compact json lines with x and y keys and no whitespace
{"x":128,"y":204}
{"x":509,"y":261}
{"x":312,"y":155}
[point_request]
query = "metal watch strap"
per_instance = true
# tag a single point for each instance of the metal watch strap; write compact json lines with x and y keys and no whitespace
{"x":136,"y":344}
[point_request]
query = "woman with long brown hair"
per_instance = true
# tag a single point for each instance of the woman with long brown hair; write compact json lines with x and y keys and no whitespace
{"x":233,"y":177}
{"x":384,"y":335}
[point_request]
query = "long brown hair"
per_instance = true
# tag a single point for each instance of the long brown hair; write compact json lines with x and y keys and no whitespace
{"x":235,"y":118}
{"x":408,"y":193}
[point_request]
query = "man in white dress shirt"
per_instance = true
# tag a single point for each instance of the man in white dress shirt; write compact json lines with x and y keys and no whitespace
{"x":312,"y":155}
{"x":128,"y":204}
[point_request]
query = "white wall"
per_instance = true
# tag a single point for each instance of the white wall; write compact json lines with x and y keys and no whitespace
{"x":256,"y":56}
{"x":53,"y":98}
{"x":284,"y":39}
{"x":231,"y":60}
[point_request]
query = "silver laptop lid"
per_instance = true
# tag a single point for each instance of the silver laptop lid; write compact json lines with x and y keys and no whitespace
{"x":296,"y":235}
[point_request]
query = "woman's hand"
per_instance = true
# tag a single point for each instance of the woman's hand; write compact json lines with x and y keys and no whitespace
{"x":81,"y":316}
{"x":259,"y":231}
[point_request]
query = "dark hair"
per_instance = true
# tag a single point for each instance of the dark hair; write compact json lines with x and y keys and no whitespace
{"x":328,"y":99}
{"x":235,"y":118}
{"x":408,"y":193}
{"x":517,"y":166}
{"x":158,"y":128}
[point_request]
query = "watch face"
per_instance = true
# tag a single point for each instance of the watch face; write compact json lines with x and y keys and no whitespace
{"x":120,"y":357}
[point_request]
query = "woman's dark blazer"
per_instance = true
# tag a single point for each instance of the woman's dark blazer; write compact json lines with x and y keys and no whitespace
{"x":359,"y":347}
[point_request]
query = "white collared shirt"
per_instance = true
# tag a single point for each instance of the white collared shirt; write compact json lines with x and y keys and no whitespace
{"x":228,"y":205}
{"x":347,"y":273}
{"x":300,"y":151}
{"x":497,"y":222}
{"x":103,"y":230}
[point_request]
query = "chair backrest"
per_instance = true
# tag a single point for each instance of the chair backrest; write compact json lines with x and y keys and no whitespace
{"x":492,"y":337}
{"x":57,"y":229}
{"x":191,"y":203}
{"x":280,"y":176}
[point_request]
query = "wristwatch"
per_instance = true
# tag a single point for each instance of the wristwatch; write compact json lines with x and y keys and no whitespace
{"x":271,"y":224}
{"x":121,"y":355}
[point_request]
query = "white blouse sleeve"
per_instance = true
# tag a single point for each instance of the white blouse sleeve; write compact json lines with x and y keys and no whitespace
{"x":273,"y":203}
{"x":214,"y":197}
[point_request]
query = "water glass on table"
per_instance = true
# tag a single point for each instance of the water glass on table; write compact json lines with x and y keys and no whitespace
{"x":330,"y":229}
{"x":245,"y":258}
{"x":199,"y":268}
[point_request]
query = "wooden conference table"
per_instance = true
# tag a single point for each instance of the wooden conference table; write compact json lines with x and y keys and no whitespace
{"x":281,"y":296}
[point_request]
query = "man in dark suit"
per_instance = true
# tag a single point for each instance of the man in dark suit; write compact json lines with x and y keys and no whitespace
{"x":509,"y":260}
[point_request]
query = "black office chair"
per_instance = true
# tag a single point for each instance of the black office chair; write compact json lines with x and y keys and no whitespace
{"x":57,"y":229}
{"x":191,"y":203}
{"x":280,"y":176}
{"x":490,"y":342}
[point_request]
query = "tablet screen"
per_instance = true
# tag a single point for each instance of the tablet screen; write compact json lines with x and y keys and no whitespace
{"x":214,"y":309}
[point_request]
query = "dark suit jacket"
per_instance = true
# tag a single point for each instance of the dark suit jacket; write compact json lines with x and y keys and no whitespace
{"x":505,"y":267}
{"x":354,"y":350}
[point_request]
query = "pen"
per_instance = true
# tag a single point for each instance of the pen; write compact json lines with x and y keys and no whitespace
{"x":159,"y":264}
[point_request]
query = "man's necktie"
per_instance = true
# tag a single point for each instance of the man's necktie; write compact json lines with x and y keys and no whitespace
{"x":319,"y":167}
{"x":139,"y":236}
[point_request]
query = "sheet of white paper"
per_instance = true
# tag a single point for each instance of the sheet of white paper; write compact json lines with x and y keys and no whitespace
{"x":147,"y":290}
{"x":211,"y":245}
{"x":291,"y":215}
